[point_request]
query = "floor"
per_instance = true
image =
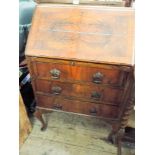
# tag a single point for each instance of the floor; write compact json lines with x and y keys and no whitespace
{"x":70,"y":134}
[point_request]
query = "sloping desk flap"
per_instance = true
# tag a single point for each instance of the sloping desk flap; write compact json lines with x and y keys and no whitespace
{"x":86,"y":33}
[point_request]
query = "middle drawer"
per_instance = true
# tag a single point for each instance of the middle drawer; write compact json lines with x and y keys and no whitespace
{"x":86,"y":92}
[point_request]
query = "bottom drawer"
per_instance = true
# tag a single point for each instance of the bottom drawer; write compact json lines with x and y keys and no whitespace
{"x":75,"y":106}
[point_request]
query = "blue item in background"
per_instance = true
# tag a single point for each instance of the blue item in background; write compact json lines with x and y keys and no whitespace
{"x":26,"y":9}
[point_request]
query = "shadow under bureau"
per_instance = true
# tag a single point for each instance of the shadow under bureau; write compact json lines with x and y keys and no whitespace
{"x":81,"y":60}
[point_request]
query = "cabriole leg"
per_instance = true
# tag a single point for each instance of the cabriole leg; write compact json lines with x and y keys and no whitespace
{"x":113,"y":133}
{"x":38,"y":115}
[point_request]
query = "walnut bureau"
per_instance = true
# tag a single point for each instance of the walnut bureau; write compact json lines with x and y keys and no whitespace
{"x":81,"y":60}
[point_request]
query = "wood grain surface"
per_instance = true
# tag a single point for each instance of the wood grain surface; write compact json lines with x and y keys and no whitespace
{"x":80,"y":91}
{"x":90,"y":33}
{"x":24,"y":122}
{"x":75,"y":106}
{"x":75,"y":72}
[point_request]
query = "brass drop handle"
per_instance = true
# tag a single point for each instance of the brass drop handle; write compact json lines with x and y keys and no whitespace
{"x":95,"y":95}
{"x":56,"y":90}
{"x":55,"y":73}
{"x":97,"y":78}
{"x":93,"y":111}
{"x":57,"y":106}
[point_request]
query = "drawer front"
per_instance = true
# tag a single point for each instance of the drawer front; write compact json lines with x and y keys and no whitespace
{"x":77,"y":106}
{"x":86,"y":92}
{"x":68,"y":72}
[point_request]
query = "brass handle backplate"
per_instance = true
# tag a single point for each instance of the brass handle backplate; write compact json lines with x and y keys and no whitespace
{"x":97,"y":78}
{"x":57,"y":106}
{"x":93,"y":111}
{"x":56,"y":90}
{"x":95,"y":95}
{"x":55,"y":73}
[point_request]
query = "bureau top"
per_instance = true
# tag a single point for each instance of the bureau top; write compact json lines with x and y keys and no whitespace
{"x":85,"y":33}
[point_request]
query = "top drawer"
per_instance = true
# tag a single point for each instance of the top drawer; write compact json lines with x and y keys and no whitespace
{"x":78,"y":71}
